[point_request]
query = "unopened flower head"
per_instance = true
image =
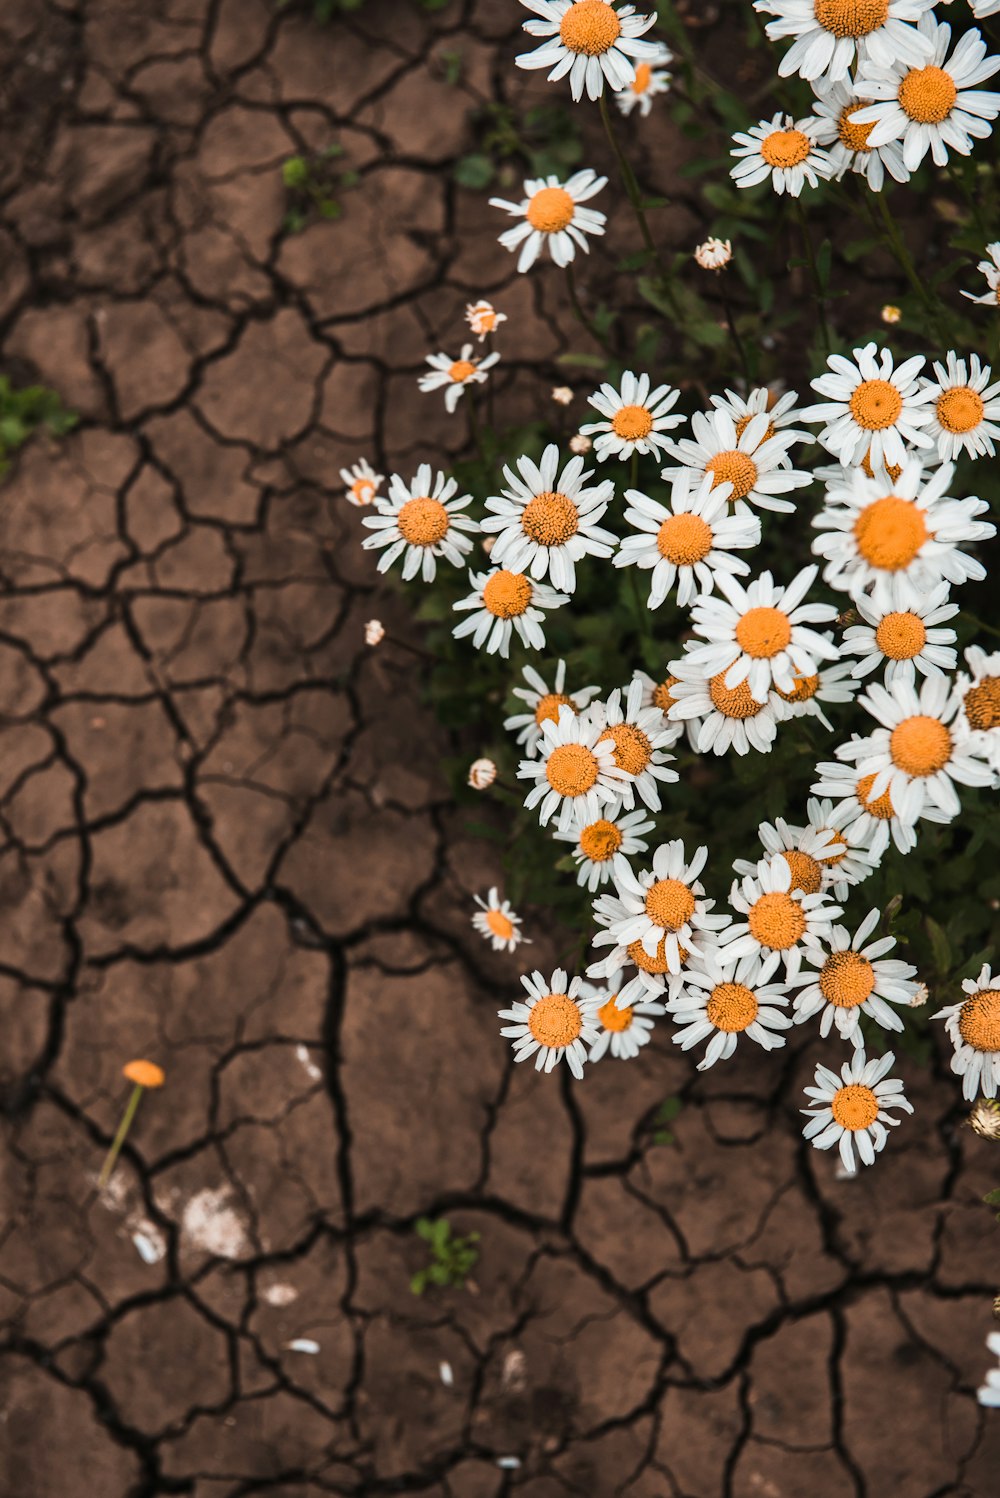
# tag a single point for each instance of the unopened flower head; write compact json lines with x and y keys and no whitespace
{"x":714,"y":254}
{"x":984,"y":1119}
{"x":891,"y":314}
{"x":580,"y":444}
{"x":483,"y":318}
{"x":374,"y":632}
{"x":482,"y":773}
{"x":562,"y":395}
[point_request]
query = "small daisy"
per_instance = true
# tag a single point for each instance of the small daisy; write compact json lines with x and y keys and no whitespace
{"x":650,"y":80}
{"x":760,"y":634}
{"x":816,"y":855}
{"x":830,"y":33}
{"x":503,"y":602}
{"x":908,"y":529}
{"x":636,"y":417}
{"x":853,"y":1109}
{"x":665,"y":904}
{"x":543,"y":704}
{"x":658,"y":694}
{"x":497,"y":923}
{"x":721,"y":717}
{"x":595,"y":845}
{"x":686,"y":541}
{"x":973,"y":1027}
{"x":872,"y":409}
{"x":361,"y":483}
{"x":421,"y":520}
{"x":575,"y":773}
{"x":640,"y":740}
{"x":554,"y":1021}
{"x":979,"y":693}
{"x":783,"y":149}
{"x":780,"y":411}
{"x":841,"y":871}
{"x":848,"y":145}
{"x":754,"y":463}
{"x":652,"y":978}
{"x":901,"y":633}
{"x":933,"y":104}
{"x":991,"y":270}
{"x":866,"y":821}
{"x":622,"y":1031}
{"x":853,"y":979}
{"x":591,"y":41}
{"x":988,"y":1393}
{"x":552,"y":216}
{"x":831,"y":682}
{"x":966,"y":409}
{"x":724,"y":1005}
{"x":779,"y":918}
{"x":483,"y":318}
{"x":545,"y":525}
{"x":455,"y":374}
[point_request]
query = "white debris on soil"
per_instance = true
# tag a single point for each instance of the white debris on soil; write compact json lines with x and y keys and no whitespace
{"x":303,"y":1344}
{"x":509,"y":1463}
{"x":447,"y":1376}
{"x":302,"y":1054}
{"x":513,"y":1374}
{"x":149,"y":1242}
{"x":279,"y":1295}
{"x":210,"y":1222}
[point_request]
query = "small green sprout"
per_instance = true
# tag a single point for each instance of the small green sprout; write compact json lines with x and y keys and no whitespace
{"x":313,"y":183}
{"x":23,"y":411}
{"x":453,"y":1258}
{"x":664,"y":1115}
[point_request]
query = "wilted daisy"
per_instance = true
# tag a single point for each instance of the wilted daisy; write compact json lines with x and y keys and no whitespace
{"x":829,"y":34}
{"x":686,"y":541}
{"x":590,"y":40}
{"x":714,"y":254}
{"x":779,"y":917}
{"x":422,"y":520}
{"x":979,"y":694}
{"x":991,"y":270}
{"x":665,"y":904}
{"x":721,"y":717}
{"x":865,"y":820}
{"x":989,"y":1393}
{"x":482,"y":773}
{"x":361,"y":483}
{"x":902,"y":633}
{"x":780,"y":411}
{"x":502,"y":602}
{"x":848,"y":144}
{"x":853,"y":979}
{"x":872,"y":409}
{"x":783,"y":149}
{"x":622,"y":1031}
{"x":817,"y":856}
{"x":483,"y":318}
{"x":636,"y":417}
{"x":973,"y":1027}
{"x":852,"y":1109}
{"x":966,"y":407}
{"x":543,"y":704}
{"x":575,"y":773}
{"x":374,"y":632}
{"x":640,"y":739}
{"x":497,"y":923}
{"x":545,"y":525}
{"x":454,"y":374}
{"x":932,"y":104}
{"x":719,"y":1006}
{"x":753,"y":462}
{"x":596,"y":844}
{"x":552,"y":216}
{"x":830,"y":682}
{"x":652,"y":978}
{"x":650,"y":79}
{"x":554,"y":1021}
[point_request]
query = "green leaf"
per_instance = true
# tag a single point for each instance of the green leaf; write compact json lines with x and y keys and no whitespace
{"x":940,"y":946}
{"x":295,"y":172}
{"x":474,"y":172}
{"x":992,"y":1198}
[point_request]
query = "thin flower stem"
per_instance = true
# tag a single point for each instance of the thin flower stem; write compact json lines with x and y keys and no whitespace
{"x":631,"y":185}
{"x":810,"y":254}
{"x":582,"y":317}
{"x":119,"y":1139}
{"x":641,"y":611}
{"x":425,"y":655}
{"x":933,"y":304}
{"x":738,"y":343}
{"x":473,"y":419}
{"x":490,"y":416}
{"x":633,"y":473}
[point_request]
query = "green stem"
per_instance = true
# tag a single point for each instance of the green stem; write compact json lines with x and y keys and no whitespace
{"x":582,"y":317}
{"x":810,"y":254}
{"x":738,"y":344}
{"x":119,"y":1139}
{"x":641,"y":611}
{"x":630,"y":184}
{"x":932,"y":304}
{"x":473,"y":419}
{"x":633,"y":472}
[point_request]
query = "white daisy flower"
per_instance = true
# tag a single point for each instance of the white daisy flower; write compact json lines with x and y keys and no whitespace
{"x":966,"y":407}
{"x":723,"y":1005}
{"x":497,"y":923}
{"x":991,"y":270}
{"x":902,"y":634}
{"x":422,"y":520}
{"x":361,"y":483}
{"x":595,"y":845}
{"x":983,"y":8}
{"x":543,"y":704}
{"x":652,"y":978}
{"x":503,"y":602}
{"x":754,"y":463}
{"x":919,"y":752}
{"x":841,"y":871}
{"x":933,"y":104}
{"x":779,"y":917}
{"x":780,"y":410}
{"x":720,"y":717}
{"x":760,"y":634}
{"x":590,"y":40}
{"x":831,"y":682}
{"x":979,"y":694}
{"x":665,"y":904}
{"x":635,"y":417}
{"x":784,"y":149}
{"x":989,"y":1392}
{"x":829,"y":34}
{"x":852,"y":1109}
{"x":552,"y":217}
{"x":640,"y":740}
{"x":545,"y":526}
{"x":848,"y":144}
{"x":554,"y":1021}
{"x":686,"y":541}
{"x":865,"y":820}
{"x":853,"y":979}
{"x":817,"y":856}
{"x":622,"y":1031}
{"x":650,"y":80}
{"x":483,"y":318}
{"x":872,"y":409}
{"x":658,"y":694}
{"x":973,"y":1027}
{"x":575,"y":773}
{"x":909,"y":529}
{"x":454,"y":374}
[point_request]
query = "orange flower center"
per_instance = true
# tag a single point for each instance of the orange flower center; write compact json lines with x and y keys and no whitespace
{"x":632,"y":747}
{"x":643,"y":77}
{"x":684,"y":539}
{"x":854,"y":137}
{"x":550,"y":209}
{"x":550,"y":518}
{"x":731,"y":1007}
{"x":423,"y":522}
{"x":777,"y":921}
{"x":363,"y":491}
{"x":499,"y":924}
{"x":927,"y":95}
{"x":613,"y":1018}
{"x":854,"y":1107}
{"x":876,"y":405}
{"x":979,"y":1021}
{"x":661,"y":694}
{"x":785,"y":148}
{"x":982,"y":703}
{"x":669,"y":904}
{"x":807,"y":875}
{"x":631,"y":422}
{"x":959,"y":409}
{"x":732,"y":702}
{"x":881,"y":808}
{"x":920,"y":745}
{"x":804,"y":688}
{"x":851,"y":17}
{"x":590,"y":27}
{"x":744,"y":421}
{"x":600,"y":841}
{"x":507,"y":594}
{"x":461,"y":370}
{"x":846,"y":979}
{"x":548,"y":707}
{"x":890,"y":532}
{"x":763,"y":632}
{"x":733,"y":467}
{"x":658,"y":964}
{"x":555,"y":1020}
{"x":892,"y":469}
{"x":571,"y":769}
{"x":901,"y":636}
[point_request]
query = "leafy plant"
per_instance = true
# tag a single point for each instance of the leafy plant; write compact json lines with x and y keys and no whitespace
{"x":23,"y":411}
{"x":453,"y":1258}
{"x":664,"y":1115}
{"x":312,"y":183}
{"x":992,"y":1199}
{"x":546,"y":140}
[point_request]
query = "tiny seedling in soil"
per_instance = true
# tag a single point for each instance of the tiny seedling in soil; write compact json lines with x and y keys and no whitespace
{"x":664,"y":1115}
{"x":453,"y":1258}
{"x":23,"y":411}
{"x":312,"y":183}
{"x":992,"y":1199}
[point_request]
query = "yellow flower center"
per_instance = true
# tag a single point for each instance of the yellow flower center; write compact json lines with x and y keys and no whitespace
{"x":661,"y":695}
{"x":744,"y":421}
{"x":804,"y":688}
{"x":851,"y":17}
{"x":600,"y":841}
{"x":982,"y":703}
{"x":658,"y":964}
{"x":763,"y":632}
{"x":631,"y":422}
{"x":889,"y":532}
{"x":669,"y":904}
{"x":550,"y":518}
{"x":881,"y":808}
{"x":927,"y":95}
{"x":920,"y":745}
{"x":423,"y":522}
{"x":732,"y":702}
{"x":854,"y":1107}
{"x":959,"y":409}
{"x":613,"y":1018}
{"x":846,"y":979}
{"x":854,"y":137}
{"x":733,"y":467}
{"x":590,"y":27}
{"x":785,"y":148}
{"x":807,"y":875}
{"x":571,"y":769}
{"x":555,"y":1020}
{"x":901,"y":636}
{"x":461,"y":370}
{"x":632,"y":748}
{"x":550,"y":209}
{"x":507,"y":594}
{"x":777,"y":921}
{"x":499,"y":924}
{"x":684,"y":539}
{"x":363,"y":491}
{"x":548,"y":707}
{"x":979,"y":1021}
{"x":892,"y":469}
{"x":643,"y":77}
{"x":731,"y":1007}
{"x":876,"y":405}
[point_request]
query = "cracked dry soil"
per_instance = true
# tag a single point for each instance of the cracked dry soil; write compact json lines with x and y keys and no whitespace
{"x":227,"y":844}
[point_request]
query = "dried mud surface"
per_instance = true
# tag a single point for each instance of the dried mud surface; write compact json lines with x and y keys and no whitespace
{"x":227,"y":843}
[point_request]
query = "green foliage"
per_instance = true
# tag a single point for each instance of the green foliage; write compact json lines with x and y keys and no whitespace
{"x":23,"y":411}
{"x":508,"y":148}
{"x":452,"y":1258}
{"x":992,"y":1199}
{"x":312,"y":183}
{"x":665,"y":1114}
